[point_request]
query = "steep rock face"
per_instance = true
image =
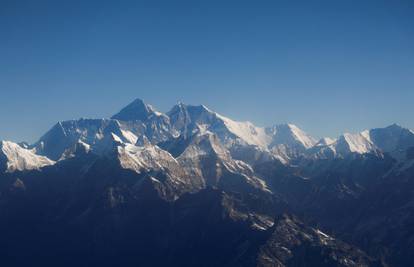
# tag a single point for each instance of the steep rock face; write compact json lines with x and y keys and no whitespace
{"x":164,"y":171}
{"x":292,"y":243}
{"x":205,"y":157}
{"x":392,"y":138}
{"x":103,"y":215}
{"x":156,"y":125}
{"x":187,"y":119}
{"x":381,"y":220}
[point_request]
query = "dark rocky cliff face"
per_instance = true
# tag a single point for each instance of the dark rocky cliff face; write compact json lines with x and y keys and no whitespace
{"x":108,"y":216}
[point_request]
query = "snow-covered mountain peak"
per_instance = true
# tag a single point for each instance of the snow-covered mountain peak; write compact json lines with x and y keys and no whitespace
{"x":206,"y":108}
{"x":188,"y":120}
{"x":307,"y":140}
{"x":65,"y":135}
{"x":357,"y":143}
{"x":393,"y":138}
{"x":182,"y":107}
{"x":16,"y":158}
{"x":247,"y":132}
{"x":290,"y":135}
{"x":136,"y":111}
{"x":395,"y":126}
{"x":199,"y":110}
{"x":140,"y":124}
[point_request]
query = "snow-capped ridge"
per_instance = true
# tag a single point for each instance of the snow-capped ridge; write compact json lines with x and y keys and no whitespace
{"x":290,"y":135}
{"x":136,"y":111}
{"x":358,"y":143}
{"x":247,"y":132}
{"x":17,"y":158}
{"x":205,"y":144}
{"x":146,"y":157}
{"x":139,"y":123}
{"x":80,"y":148}
{"x":206,"y":157}
{"x":345,"y":144}
{"x":393,"y":138}
{"x":325,"y":141}
{"x":187,"y":118}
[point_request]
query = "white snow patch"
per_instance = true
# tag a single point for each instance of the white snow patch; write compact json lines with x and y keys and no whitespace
{"x":21,"y":159}
{"x":137,"y":158}
{"x":129,"y":136}
{"x":319,"y":232}
{"x":116,"y":138}
{"x":247,"y":132}
{"x":326,"y":141}
{"x":301,"y":136}
{"x":367,"y":135}
{"x":358,"y":143}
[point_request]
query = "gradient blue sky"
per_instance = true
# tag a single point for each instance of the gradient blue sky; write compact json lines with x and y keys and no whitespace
{"x":327,"y":66}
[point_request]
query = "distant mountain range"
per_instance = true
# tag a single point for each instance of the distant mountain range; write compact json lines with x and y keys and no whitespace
{"x":194,"y":188}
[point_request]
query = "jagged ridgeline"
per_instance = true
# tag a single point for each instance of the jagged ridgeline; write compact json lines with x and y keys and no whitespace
{"x":191,"y":187}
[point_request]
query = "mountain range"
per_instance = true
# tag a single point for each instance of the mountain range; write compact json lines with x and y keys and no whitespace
{"x":191,"y":187}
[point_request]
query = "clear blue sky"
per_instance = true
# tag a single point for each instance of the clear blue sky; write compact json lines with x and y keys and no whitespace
{"x":327,"y":66}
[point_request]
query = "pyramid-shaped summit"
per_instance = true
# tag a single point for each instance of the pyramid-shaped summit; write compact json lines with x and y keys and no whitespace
{"x":136,"y":111}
